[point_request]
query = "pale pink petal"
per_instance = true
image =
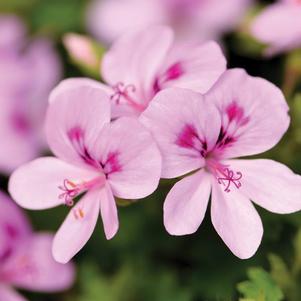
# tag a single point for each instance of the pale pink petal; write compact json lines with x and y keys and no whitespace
{"x":36,"y":270}
{"x":108,"y":210}
{"x":254,"y":114}
{"x":195,"y":67}
{"x":236,"y":221}
{"x":107,"y":20}
{"x":77,"y":227}
{"x":186,"y":204}
{"x":14,"y":226}
{"x":130,"y":158}
{"x":181,"y":124}
{"x":77,"y":112}
{"x":135,"y":59}
{"x":35,"y":185}
{"x":12,"y":32}
{"x":279,"y":26}
{"x":9,"y":294}
{"x":270,"y":184}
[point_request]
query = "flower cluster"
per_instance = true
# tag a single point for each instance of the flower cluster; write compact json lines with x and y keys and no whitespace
{"x":167,"y":110}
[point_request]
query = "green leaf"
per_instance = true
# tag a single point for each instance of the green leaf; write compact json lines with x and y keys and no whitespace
{"x":260,"y":287}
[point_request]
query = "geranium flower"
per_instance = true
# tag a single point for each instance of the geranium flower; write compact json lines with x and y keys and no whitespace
{"x":191,"y":19}
{"x":31,"y":70}
{"x":95,"y":157}
{"x":142,"y":63}
{"x":26,"y":261}
{"x":240,"y":116}
{"x":279,"y":26}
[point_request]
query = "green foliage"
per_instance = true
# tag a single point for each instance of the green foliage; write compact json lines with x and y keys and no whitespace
{"x":260,"y":287}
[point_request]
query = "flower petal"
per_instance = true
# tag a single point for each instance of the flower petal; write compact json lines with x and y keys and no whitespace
{"x":108,"y":210}
{"x":180,"y":123}
{"x":236,"y":221}
{"x":37,"y":270}
{"x":108,"y":20}
{"x":77,"y":227}
{"x":77,"y":112}
{"x":254,"y":113}
{"x":136,"y":57}
{"x":9,"y":294}
{"x":186,"y":204}
{"x":195,"y":67}
{"x":279,"y":26}
{"x":270,"y":184}
{"x":14,"y":226}
{"x":130,"y":157}
{"x":35,"y":185}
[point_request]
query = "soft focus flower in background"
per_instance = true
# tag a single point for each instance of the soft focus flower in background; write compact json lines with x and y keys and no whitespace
{"x":239,"y":116}
{"x":29,"y":70}
{"x":191,"y":19}
{"x":141,"y":63}
{"x":96,"y":157}
{"x":279,"y":26}
{"x":26,"y":261}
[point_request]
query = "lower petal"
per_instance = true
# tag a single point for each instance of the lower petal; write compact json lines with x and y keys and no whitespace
{"x":108,"y":210}
{"x":236,"y":221}
{"x":37,"y":270}
{"x":186,"y":204}
{"x":77,"y":228}
{"x":270,"y":184}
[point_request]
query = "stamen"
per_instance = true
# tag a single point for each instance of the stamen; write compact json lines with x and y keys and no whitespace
{"x":224,"y":175}
{"x":123,"y":91}
{"x":72,"y":190}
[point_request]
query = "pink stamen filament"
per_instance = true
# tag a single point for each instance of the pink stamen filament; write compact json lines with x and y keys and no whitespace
{"x":72,"y":190}
{"x":122,"y":90}
{"x":224,"y":175}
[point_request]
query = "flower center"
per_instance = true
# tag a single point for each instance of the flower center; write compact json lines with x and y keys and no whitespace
{"x":224,"y":174}
{"x":122,"y":91}
{"x":70,"y":190}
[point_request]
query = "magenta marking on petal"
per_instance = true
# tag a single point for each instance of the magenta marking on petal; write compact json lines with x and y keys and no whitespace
{"x":236,"y":113}
{"x":112,"y":163}
{"x":188,"y":138}
{"x":175,"y":71}
{"x":11,"y":231}
{"x":21,"y":123}
{"x":77,"y":138}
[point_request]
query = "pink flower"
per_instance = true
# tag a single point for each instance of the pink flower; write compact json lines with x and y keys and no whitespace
{"x":26,"y":261}
{"x":279,"y":26}
{"x":142,"y":63}
{"x":95,"y":157}
{"x":240,"y":116}
{"x":31,"y":71}
{"x":196,"y":19}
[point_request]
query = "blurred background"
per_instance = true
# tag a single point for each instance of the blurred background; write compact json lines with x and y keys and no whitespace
{"x":143,"y":262}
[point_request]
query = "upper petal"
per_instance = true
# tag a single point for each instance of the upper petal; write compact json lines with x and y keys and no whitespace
{"x":76,"y":114}
{"x":37,"y":270}
{"x":279,"y":25}
{"x":236,"y":221}
{"x":270,"y":184}
{"x":186,"y":204}
{"x":195,"y":67}
{"x":77,"y":227}
{"x":254,"y":114}
{"x":108,"y":210}
{"x":130,"y":158}
{"x":35,"y":185}
{"x":184,"y":128}
{"x":136,"y":57}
